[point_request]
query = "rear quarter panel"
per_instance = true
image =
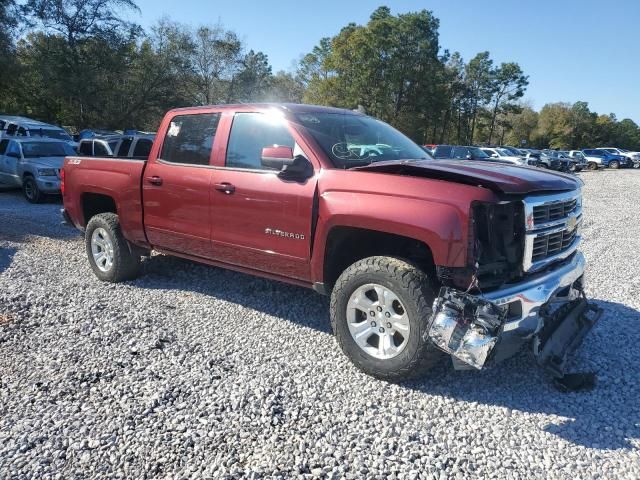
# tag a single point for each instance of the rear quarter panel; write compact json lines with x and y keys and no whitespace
{"x":117,"y":178}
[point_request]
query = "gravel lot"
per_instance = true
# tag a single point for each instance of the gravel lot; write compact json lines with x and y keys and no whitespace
{"x":193,"y":372}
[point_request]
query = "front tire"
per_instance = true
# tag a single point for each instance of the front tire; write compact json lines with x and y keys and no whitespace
{"x":593,"y":166}
{"x":31,"y":191}
{"x":110,"y":256}
{"x":614,"y":164}
{"x":380,"y":309}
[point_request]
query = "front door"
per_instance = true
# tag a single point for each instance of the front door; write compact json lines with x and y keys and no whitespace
{"x":258,"y":220}
{"x":177,"y":186}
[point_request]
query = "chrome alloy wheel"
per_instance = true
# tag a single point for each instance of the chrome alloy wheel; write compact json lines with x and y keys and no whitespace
{"x":102,"y":249}
{"x":377,"y":321}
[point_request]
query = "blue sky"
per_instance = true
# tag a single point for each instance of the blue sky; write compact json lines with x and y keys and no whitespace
{"x":571,"y":49}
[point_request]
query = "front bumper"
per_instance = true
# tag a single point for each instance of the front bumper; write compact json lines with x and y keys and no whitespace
{"x":496,"y":325}
{"x":48,"y":184}
{"x":526,"y":298}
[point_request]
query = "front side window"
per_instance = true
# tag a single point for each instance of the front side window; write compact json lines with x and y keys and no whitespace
{"x":3,"y":146}
{"x":14,"y":149}
{"x":22,"y":132}
{"x":250,"y":133}
{"x":460,"y":153}
{"x":189,"y":138}
{"x":351,"y":140}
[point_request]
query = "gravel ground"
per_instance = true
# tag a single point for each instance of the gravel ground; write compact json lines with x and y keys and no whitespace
{"x":193,"y":372}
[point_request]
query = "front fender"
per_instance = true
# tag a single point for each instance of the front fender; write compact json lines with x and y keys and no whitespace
{"x":442,"y":227}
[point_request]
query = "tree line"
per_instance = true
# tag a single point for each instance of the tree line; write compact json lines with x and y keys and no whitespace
{"x":80,"y":64}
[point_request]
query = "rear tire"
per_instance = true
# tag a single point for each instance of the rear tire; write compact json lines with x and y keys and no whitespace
{"x":110,"y":255}
{"x":31,"y":191}
{"x":402,"y":317}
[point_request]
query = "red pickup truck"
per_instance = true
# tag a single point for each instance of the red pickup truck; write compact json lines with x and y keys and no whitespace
{"x":419,"y":256}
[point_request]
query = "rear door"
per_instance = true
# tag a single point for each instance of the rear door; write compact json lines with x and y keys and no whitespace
{"x":258,"y":220}
{"x":4,"y":144}
{"x":177,"y":186}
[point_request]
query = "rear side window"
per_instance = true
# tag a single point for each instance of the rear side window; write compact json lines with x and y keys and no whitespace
{"x":3,"y":146}
{"x":250,"y":133}
{"x":85,"y":149}
{"x":143,"y":148}
{"x":460,"y":153}
{"x":123,"y":151}
{"x":189,"y":138}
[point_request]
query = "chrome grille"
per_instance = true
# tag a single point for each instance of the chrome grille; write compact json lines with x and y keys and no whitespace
{"x":552,"y":228}
{"x":547,"y":245}
{"x":553,"y":211}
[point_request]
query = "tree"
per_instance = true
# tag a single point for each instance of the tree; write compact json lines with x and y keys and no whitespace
{"x":478,"y":79}
{"x":8,"y":24}
{"x":252,"y":81}
{"x":215,"y":58}
{"x":285,"y":87}
{"x":509,"y":84}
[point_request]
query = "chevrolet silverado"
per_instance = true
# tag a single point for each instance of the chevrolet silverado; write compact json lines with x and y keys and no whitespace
{"x":419,"y":256}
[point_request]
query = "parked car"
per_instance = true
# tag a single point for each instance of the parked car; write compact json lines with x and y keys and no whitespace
{"x":337,"y":201}
{"x":517,"y":152}
{"x":123,"y":146}
{"x":459,"y":152}
{"x":90,"y":133}
{"x":565,"y":162}
{"x":26,"y":127}
{"x":607,"y":160}
{"x":33,"y":164}
{"x":633,"y":158}
{"x":498,"y":153}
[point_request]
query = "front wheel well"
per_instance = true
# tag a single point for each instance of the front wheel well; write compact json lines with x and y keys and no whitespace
{"x":96,"y":203}
{"x":347,"y":245}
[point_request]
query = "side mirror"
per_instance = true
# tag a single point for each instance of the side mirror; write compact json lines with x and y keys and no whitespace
{"x":277,"y":157}
{"x":468,"y":156}
{"x":494,"y":155}
{"x":299,"y":169}
{"x":13,"y":155}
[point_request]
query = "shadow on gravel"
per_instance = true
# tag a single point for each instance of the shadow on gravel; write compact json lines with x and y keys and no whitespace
{"x":296,"y":304}
{"x":604,"y":418}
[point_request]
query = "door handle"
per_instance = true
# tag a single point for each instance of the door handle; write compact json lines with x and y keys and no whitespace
{"x":155,"y":180}
{"x":225,"y":187}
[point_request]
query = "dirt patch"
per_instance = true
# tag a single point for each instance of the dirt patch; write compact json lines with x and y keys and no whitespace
{"x":5,"y":318}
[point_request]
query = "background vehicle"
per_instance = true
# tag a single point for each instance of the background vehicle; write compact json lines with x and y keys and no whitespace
{"x":607,"y":160}
{"x":123,"y":146}
{"x":33,"y":164}
{"x":342,"y":203}
{"x":633,"y":158}
{"x":26,"y":127}
{"x":504,"y":155}
{"x":459,"y":153}
{"x":514,"y":151}
{"x":565,"y":162}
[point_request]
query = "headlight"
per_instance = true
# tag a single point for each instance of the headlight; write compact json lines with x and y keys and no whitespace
{"x":46,"y":172}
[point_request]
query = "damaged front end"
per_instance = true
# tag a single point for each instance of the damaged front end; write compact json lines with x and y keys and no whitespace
{"x":471,"y":329}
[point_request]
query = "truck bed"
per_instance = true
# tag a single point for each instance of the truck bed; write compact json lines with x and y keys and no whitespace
{"x":117,"y":178}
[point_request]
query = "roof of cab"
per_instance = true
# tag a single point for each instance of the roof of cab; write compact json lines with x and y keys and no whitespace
{"x":287,"y":107}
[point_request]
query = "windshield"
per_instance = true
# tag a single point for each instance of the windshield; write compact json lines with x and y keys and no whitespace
{"x":354,"y":140}
{"x":46,"y":149}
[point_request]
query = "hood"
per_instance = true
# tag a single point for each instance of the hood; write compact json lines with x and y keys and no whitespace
{"x":499,"y":177}
{"x":46,"y":162}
